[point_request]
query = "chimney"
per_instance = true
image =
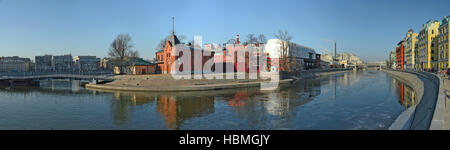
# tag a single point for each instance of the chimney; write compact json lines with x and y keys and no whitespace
{"x":237,"y":39}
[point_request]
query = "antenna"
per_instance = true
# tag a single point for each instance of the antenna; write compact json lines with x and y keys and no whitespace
{"x":173,"y":25}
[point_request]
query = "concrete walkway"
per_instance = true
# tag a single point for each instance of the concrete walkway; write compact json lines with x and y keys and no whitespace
{"x":447,"y":104}
{"x":426,"y":114}
{"x":425,"y":109}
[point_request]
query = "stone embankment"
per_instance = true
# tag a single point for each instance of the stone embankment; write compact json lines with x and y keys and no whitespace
{"x":404,"y":120}
{"x":318,"y":73}
{"x":430,"y":110}
{"x":166,"y":83}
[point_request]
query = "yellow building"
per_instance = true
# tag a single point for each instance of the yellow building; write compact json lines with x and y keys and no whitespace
{"x":443,"y":43}
{"x":426,"y":45}
{"x":410,"y":49}
{"x":416,"y":55}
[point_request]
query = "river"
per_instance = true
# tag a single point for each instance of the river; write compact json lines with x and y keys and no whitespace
{"x":354,"y":100}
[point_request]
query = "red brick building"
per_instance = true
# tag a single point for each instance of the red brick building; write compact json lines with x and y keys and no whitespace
{"x":166,"y":58}
{"x":229,"y":57}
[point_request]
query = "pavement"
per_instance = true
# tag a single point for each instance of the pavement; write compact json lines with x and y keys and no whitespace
{"x":424,"y":116}
{"x":447,"y":104}
{"x":425,"y":109}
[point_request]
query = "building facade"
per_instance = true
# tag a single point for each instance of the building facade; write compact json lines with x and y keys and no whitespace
{"x":416,"y":55}
{"x":106,"y":64}
{"x":392,"y":59}
{"x":15,"y":64}
{"x":166,"y":58}
{"x":87,"y":63}
{"x":443,"y":43}
{"x":410,"y":49}
{"x":426,"y":45}
{"x":306,"y":56}
{"x":43,"y":63}
{"x":137,"y":66}
{"x":62,"y":63}
{"x":400,"y":57}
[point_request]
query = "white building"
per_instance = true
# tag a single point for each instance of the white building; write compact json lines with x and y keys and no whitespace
{"x":305,"y":55}
{"x":273,"y":48}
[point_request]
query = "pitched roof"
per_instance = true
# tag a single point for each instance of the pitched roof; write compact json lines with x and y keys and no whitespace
{"x":445,"y":20}
{"x":173,"y":39}
{"x":138,"y":62}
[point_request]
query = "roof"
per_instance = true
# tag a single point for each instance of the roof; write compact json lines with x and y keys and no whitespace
{"x":173,"y":39}
{"x":138,"y":62}
{"x":445,"y":20}
{"x":428,"y":24}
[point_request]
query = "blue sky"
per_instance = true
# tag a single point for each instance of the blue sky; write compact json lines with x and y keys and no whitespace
{"x":367,"y":28}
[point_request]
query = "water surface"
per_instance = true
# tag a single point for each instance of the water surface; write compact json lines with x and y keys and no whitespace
{"x":353,"y":100}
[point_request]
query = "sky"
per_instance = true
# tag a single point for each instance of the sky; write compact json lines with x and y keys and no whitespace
{"x":369,"y":29}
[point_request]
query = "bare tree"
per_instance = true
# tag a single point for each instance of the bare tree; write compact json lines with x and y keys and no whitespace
{"x":285,"y":59}
{"x":161,"y":44}
{"x":121,"y":50}
{"x":251,"y":39}
{"x":163,"y":41}
{"x":133,"y":54}
{"x":262,"y":38}
{"x":231,"y":41}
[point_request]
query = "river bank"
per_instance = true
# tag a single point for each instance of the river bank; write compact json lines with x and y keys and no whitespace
{"x":166,"y":83}
{"x":404,"y":120}
{"x":428,"y":114}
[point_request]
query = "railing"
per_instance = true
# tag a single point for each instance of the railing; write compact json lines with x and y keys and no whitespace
{"x":52,"y":73}
{"x":72,"y":75}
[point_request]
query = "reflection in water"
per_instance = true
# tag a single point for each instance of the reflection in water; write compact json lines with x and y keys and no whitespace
{"x":352,"y":100}
{"x":177,"y":109}
{"x":54,"y":87}
{"x":406,"y":95}
{"x":174,"y":109}
{"x":238,"y":99}
{"x":123,"y":105}
{"x":280,"y":103}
